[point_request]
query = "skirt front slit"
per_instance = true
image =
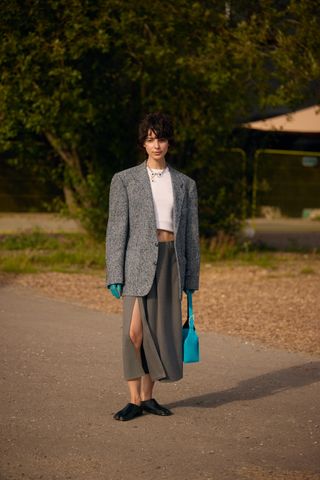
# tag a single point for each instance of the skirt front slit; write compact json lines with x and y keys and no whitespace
{"x":161,"y":351}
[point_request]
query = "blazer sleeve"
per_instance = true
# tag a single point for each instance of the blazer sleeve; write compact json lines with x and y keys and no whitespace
{"x":117,"y":231}
{"x":192,"y":243}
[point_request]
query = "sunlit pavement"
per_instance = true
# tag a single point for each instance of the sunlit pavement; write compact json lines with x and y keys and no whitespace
{"x":244,"y":412}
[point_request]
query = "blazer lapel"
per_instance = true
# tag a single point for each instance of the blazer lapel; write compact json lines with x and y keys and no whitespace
{"x":142,"y":176}
{"x":178,"y":186}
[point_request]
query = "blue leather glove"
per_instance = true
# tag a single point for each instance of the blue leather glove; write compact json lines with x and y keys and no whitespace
{"x":188,"y":290}
{"x":116,"y":289}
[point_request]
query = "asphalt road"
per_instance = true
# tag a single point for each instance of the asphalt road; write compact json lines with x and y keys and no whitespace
{"x":244,"y":412}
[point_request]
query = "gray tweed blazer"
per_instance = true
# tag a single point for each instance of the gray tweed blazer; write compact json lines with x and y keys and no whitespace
{"x":131,"y":240}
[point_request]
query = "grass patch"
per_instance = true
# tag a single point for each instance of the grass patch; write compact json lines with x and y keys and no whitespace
{"x":307,"y":271}
{"x":265,"y":260}
{"x":253,"y":258}
{"x":41,"y":252}
{"x":16,"y":264}
{"x":34,"y":240}
{"x":227,"y":249}
{"x":76,"y":252}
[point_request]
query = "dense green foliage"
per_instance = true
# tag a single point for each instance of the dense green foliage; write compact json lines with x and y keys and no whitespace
{"x":78,"y":75}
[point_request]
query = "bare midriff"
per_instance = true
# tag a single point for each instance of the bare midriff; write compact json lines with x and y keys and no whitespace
{"x":164,"y":235}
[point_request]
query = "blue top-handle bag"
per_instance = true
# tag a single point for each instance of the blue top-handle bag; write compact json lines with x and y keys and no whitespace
{"x":190,"y":339}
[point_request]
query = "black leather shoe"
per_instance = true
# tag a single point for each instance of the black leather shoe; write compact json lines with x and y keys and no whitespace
{"x":152,"y":406}
{"x":130,"y":411}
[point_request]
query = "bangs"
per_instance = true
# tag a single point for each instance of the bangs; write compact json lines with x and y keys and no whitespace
{"x":159,"y":123}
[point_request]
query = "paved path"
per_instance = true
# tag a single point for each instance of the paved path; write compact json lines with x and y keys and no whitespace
{"x":244,"y":412}
{"x":46,"y":222}
{"x":284,"y":233}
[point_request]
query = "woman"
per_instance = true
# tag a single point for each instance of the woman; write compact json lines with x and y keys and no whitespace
{"x":152,"y":256}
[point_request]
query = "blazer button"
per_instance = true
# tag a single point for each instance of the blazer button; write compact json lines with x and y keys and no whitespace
{"x":154,"y":263}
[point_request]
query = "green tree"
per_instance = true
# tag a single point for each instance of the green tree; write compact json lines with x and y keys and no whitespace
{"x":61,"y":86}
{"x":77,"y":76}
{"x":296,"y":57}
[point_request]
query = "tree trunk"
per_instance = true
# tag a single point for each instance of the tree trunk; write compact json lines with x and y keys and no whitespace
{"x":70,"y":200}
{"x":78,"y":181}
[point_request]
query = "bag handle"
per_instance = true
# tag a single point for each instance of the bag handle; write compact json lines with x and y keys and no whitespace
{"x":190,"y":310}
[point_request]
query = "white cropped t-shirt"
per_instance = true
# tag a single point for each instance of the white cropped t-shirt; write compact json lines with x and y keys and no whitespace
{"x":162,"y":193}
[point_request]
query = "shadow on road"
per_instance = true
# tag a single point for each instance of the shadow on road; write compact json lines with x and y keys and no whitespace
{"x":257,"y":387}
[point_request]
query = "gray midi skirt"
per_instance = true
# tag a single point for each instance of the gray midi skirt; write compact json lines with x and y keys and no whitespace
{"x":161,"y":351}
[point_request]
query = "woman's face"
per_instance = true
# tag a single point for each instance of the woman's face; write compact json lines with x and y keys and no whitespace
{"x":156,"y":148}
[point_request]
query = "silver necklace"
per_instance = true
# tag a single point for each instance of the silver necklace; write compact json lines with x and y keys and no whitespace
{"x":154,"y":174}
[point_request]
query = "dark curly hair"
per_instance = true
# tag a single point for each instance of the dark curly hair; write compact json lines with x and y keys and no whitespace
{"x":159,"y":123}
